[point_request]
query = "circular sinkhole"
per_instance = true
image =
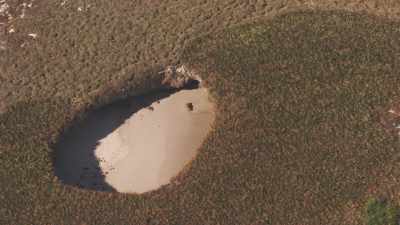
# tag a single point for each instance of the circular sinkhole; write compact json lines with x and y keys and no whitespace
{"x":138,"y":144}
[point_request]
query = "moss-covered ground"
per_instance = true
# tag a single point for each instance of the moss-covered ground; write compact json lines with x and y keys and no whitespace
{"x":380,"y":211}
{"x":297,"y":139}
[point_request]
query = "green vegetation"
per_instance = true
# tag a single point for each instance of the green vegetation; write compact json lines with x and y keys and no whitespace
{"x":379,"y":212}
{"x":297,"y":134}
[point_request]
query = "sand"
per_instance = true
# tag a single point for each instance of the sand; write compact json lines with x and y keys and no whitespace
{"x":134,"y":153}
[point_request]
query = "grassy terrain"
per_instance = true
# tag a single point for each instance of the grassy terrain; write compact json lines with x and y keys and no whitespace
{"x":297,"y":136}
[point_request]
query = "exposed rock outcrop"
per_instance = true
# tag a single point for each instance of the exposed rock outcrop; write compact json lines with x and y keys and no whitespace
{"x":179,"y":77}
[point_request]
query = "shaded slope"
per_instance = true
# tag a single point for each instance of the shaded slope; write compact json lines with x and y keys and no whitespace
{"x":301,"y":105}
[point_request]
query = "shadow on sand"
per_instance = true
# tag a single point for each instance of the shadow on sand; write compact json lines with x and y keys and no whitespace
{"x":75,"y":162}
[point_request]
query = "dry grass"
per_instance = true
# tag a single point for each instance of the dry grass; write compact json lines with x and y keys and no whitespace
{"x":297,"y":135}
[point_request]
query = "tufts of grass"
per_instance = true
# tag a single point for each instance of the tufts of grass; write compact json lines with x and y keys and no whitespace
{"x":381,"y":212}
{"x":297,"y":135}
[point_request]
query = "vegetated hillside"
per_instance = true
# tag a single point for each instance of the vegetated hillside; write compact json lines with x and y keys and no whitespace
{"x":297,"y":139}
{"x":83,"y":47}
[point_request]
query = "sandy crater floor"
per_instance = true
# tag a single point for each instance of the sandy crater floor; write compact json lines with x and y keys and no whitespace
{"x":144,"y":151}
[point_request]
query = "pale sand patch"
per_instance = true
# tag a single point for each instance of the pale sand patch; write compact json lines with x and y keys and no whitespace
{"x":150,"y":147}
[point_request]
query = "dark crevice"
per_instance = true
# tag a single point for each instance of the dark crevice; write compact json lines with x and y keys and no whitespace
{"x":192,"y":84}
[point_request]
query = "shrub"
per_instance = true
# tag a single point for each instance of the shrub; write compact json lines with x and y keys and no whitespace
{"x":381,"y":212}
